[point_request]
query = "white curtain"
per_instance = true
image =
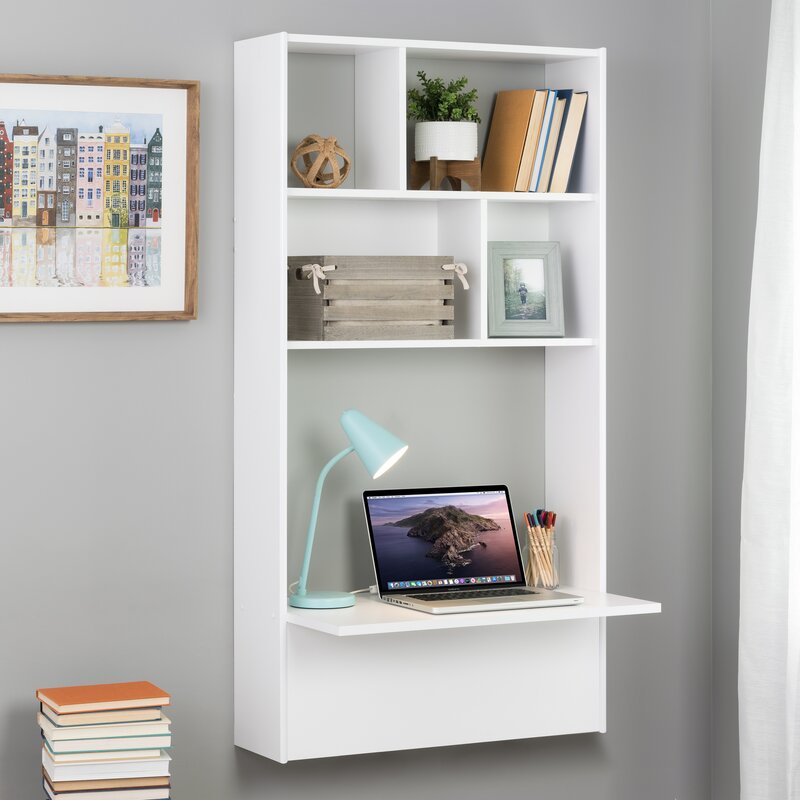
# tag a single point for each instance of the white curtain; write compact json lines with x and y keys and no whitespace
{"x":769,"y":623}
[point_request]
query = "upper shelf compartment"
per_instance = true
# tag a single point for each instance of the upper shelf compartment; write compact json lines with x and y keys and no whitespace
{"x":355,"y":90}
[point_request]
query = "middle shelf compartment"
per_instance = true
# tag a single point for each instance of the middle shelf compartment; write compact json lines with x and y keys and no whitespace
{"x":412,"y":224}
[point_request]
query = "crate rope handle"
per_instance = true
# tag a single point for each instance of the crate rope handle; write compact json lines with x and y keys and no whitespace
{"x":460,"y":269}
{"x":317,"y":272}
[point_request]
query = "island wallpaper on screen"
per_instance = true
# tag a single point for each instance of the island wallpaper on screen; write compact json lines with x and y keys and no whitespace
{"x":443,"y":538}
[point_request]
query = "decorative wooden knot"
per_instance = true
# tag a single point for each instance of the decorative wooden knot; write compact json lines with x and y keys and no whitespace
{"x":322,"y":171}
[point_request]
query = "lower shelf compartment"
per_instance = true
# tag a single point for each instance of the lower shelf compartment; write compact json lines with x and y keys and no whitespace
{"x":371,"y":616}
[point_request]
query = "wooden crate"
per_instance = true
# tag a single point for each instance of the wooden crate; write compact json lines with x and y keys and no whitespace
{"x":371,"y":297}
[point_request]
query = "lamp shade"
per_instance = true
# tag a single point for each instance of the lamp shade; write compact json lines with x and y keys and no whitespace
{"x":376,"y":447}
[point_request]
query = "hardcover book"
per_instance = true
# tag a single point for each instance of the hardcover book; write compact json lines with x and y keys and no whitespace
{"x":531,"y":142}
{"x":569,"y":142}
{"x":59,"y":733}
{"x":504,"y":145}
{"x":552,"y":144}
{"x":106,"y":770}
{"x":105,"y":783}
{"x":102,"y":697}
{"x":153,"y":793}
{"x":102,"y":717}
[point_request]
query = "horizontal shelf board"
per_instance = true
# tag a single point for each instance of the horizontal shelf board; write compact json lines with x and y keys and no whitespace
{"x":371,"y":616}
{"x":423,"y":195}
{"x":352,"y":45}
{"x":406,"y":344}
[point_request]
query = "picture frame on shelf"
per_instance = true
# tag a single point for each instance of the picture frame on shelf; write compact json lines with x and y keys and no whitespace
{"x":526,"y":297}
{"x":98,"y":198}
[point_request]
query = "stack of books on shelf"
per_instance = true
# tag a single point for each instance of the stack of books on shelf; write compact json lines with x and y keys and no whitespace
{"x":105,"y":742}
{"x":532,"y":140}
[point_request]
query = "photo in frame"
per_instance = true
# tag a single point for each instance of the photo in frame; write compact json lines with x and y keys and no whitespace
{"x":525,"y":289}
{"x":98,"y":198}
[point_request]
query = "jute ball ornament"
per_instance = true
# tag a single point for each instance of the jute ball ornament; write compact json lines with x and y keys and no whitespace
{"x":321,"y":162}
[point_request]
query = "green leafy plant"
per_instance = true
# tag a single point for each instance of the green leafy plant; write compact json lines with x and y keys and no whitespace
{"x":441,"y":102}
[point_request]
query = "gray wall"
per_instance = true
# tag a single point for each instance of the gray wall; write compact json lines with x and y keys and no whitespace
{"x":740,"y":32}
{"x":115,"y":465}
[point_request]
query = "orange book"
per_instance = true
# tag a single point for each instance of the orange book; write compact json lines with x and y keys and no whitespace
{"x":506,"y":140}
{"x":102,"y":697}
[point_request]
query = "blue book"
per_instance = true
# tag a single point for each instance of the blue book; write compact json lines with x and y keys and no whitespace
{"x":542,"y":144}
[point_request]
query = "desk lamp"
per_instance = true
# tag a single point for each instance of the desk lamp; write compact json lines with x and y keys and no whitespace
{"x":379,"y":451}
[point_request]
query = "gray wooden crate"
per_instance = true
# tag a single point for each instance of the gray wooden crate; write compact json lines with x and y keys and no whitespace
{"x":371,"y":297}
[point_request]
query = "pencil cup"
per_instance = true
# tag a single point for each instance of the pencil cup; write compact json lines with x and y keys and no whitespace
{"x":542,"y":567}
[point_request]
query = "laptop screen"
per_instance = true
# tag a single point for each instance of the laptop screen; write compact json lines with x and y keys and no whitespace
{"x":443,"y":539}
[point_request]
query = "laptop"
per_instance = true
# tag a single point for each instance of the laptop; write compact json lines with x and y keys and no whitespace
{"x":448,"y":551}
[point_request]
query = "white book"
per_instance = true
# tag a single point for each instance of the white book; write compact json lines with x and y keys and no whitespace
{"x":103,"y":755}
{"x":97,"y":746}
{"x":157,"y":793}
{"x":106,"y":770}
{"x":102,"y":717}
{"x":57,"y":733}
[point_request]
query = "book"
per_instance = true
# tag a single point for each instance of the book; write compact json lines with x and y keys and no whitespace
{"x":113,"y":783}
{"x":552,"y":145}
{"x":102,"y":717}
{"x":531,"y":140}
{"x":547,"y":119}
{"x":138,"y":768}
{"x":569,"y":142}
{"x":150,"y":742}
{"x":56,"y":733}
{"x":506,"y":139}
{"x":102,"y":697}
{"x":102,"y":755}
{"x":153,"y":793}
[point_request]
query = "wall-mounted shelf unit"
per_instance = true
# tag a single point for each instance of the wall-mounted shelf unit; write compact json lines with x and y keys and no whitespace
{"x":527,"y":412}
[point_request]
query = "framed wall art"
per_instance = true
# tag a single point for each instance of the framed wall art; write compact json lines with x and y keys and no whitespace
{"x":525,"y":291}
{"x":98,"y":198}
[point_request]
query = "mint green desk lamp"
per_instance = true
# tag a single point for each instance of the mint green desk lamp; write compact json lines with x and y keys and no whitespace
{"x":379,"y":451}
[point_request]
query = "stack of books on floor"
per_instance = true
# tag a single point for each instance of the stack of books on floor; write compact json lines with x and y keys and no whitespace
{"x":105,"y":742}
{"x":532,"y":140}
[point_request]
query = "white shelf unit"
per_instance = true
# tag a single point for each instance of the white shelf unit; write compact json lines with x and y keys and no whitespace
{"x":311,"y":684}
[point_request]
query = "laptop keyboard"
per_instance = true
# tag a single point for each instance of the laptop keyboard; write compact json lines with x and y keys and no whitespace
{"x":472,"y":594}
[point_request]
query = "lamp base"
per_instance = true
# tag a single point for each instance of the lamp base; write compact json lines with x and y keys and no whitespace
{"x":322,"y":600}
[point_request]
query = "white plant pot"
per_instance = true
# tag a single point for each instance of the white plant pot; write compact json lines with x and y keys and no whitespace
{"x":450,"y":141}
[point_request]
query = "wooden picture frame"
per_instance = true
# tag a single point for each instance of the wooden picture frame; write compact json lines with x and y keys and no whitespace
{"x":104,"y":235}
{"x":525,"y":289}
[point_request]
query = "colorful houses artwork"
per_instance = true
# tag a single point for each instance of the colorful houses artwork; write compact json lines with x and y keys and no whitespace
{"x":70,"y":192}
{"x":66,"y":177}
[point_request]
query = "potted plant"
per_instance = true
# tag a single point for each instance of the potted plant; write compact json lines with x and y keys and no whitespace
{"x":447,"y":120}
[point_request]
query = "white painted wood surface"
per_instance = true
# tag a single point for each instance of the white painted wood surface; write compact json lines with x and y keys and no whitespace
{"x":260,"y":132}
{"x":380,"y":121}
{"x":448,"y":344}
{"x":431,"y":688}
{"x":371,"y":616}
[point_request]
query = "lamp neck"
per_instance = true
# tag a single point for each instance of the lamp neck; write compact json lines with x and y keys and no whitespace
{"x":312,"y":523}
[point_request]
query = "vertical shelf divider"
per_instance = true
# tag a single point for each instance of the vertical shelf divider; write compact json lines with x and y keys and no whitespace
{"x":380,"y":123}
